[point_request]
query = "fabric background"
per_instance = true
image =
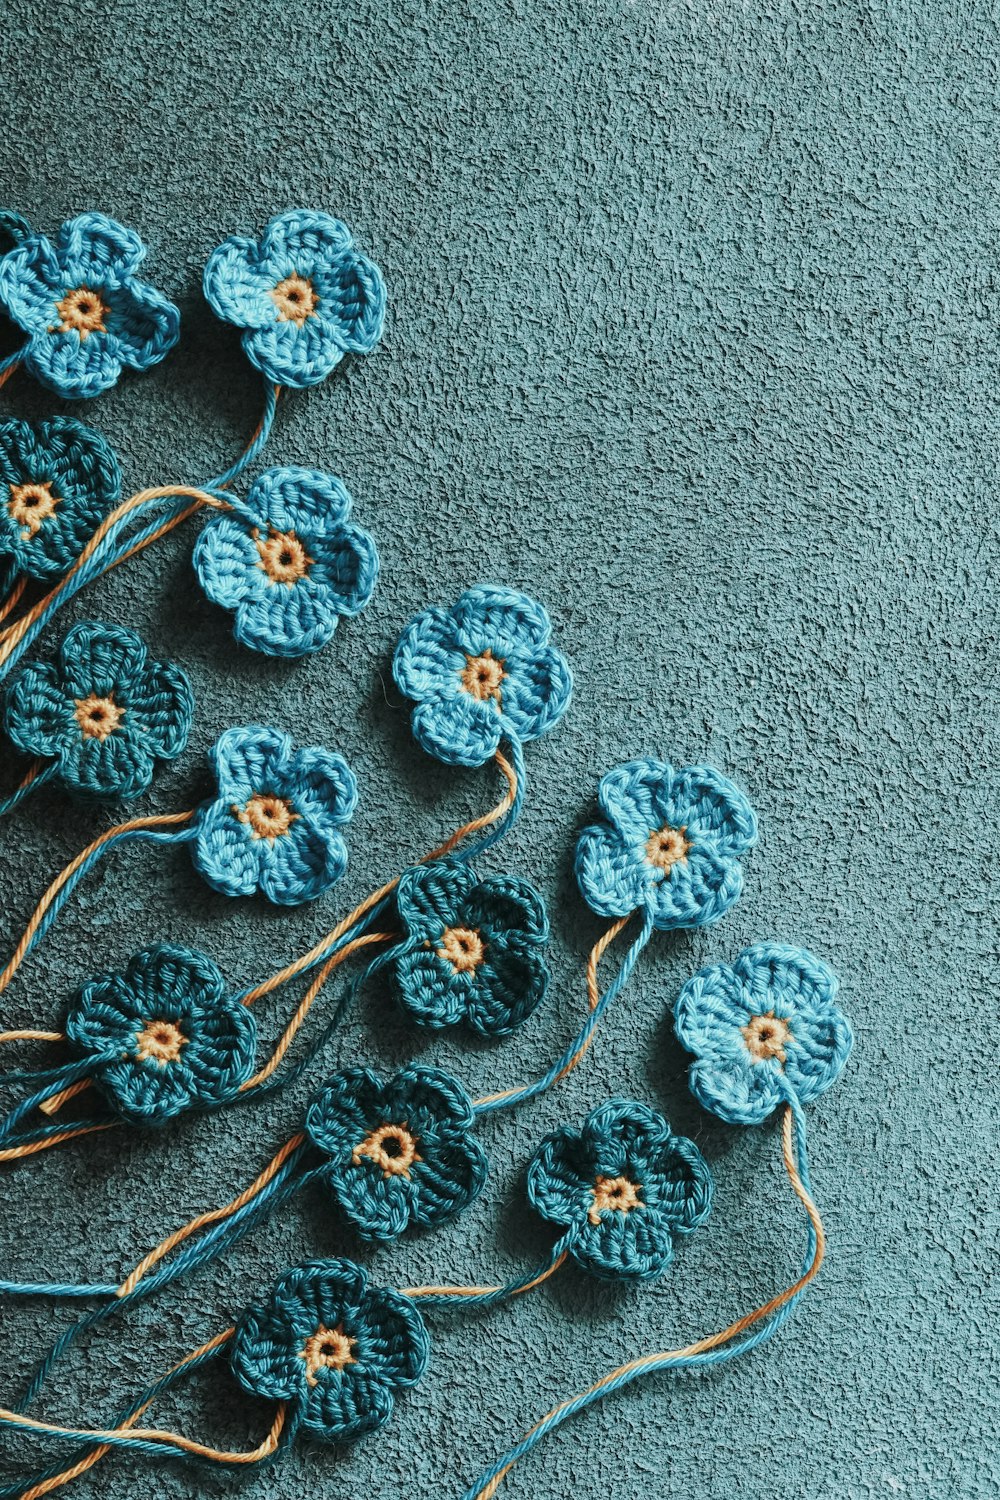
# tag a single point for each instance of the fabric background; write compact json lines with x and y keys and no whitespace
{"x":692,"y":335}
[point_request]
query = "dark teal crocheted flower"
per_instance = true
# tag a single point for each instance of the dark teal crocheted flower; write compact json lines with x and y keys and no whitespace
{"x":58,"y":480}
{"x":625,"y":1186}
{"x":86,"y":313}
{"x":291,"y":565}
{"x":303,"y":294}
{"x":104,"y":712}
{"x":400,"y":1154}
{"x":671,"y":844}
{"x":274,"y":826}
{"x":481,"y":671}
{"x":162,"y":1036}
{"x":334,"y":1347}
{"x":474,"y":950}
{"x":763,"y":1030}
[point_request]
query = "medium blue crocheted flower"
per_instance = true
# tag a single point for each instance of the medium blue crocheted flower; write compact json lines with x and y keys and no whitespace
{"x":293,"y":566}
{"x":763,"y":1030}
{"x":303,"y":295}
{"x":86,"y":314}
{"x":402,"y":1153}
{"x":671,"y":843}
{"x":480,"y":671}
{"x":275,"y":825}
{"x":58,"y":480}
{"x":162,"y":1035}
{"x":474,"y":950}
{"x":334,"y":1347}
{"x":625,"y":1186}
{"x":104,"y":711}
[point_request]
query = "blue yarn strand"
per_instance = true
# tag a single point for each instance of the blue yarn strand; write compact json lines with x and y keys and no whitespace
{"x":498,"y":1294}
{"x":258,"y":445}
{"x":22,"y":792}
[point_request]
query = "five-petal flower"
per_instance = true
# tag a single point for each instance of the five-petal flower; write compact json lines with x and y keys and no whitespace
{"x":291,"y":564}
{"x":481,"y":671}
{"x":763,"y":1030}
{"x":104,"y":712}
{"x":274,"y":826}
{"x":303,"y":295}
{"x":86,"y":314}
{"x":400,"y":1153}
{"x":162,"y":1035}
{"x":58,"y":480}
{"x":474,"y":950}
{"x":624,"y":1186}
{"x":334,"y":1347}
{"x":670,"y":843}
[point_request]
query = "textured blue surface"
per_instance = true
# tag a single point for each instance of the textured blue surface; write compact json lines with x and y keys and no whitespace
{"x":692,"y":334}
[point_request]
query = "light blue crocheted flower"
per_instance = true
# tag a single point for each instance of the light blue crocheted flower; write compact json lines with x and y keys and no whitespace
{"x":274,"y":826}
{"x":58,"y":480}
{"x":400,"y":1154}
{"x":338,"y":1350}
{"x":473,"y":951}
{"x":625,"y":1186}
{"x":303,"y":294}
{"x":86,"y":314}
{"x":104,"y":712}
{"x":481,"y":671}
{"x":290,"y":568}
{"x":763,"y":1030}
{"x":162,"y":1035}
{"x":671,"y":843}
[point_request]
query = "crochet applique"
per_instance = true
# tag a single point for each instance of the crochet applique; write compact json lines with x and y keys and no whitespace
{"x":291,"y":566}
{"x":275,"y":824}
{"x":473,"y":951}
{"x":103,"y":713}
{"x":58,"y":479}
{"x":481,"y":672}
{"x":763,"y":1029}
{"x":86,"y":313}
{"x":303,"y":295}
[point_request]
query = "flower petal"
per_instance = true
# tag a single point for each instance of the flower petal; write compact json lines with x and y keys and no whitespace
{"x":536,"y":691}
{"x":75,"y":368}
{"x":630,"y":797}
{"x":324,"y":787}
{"x":428,"y":660}
{"x":288,"y":622}
{"x":398,"y":1337}
{"x":301,"y":238}
{"x":711,"y":808}
{"x":31,"y":282}
{"x":98,"y":250}
{"x":346,"y":566}
{"x":345,"y":1411}
{"x":461,"y":731}
{"x":159,"y":703}
{"x":344,"y":1112}
{"x":635,"y":1246}
{"x":352,"y":300}
{"x":679,"y":1185}
{"x":291,"y":355}
{"x":250,"y":758}
{"x":235,"y":286}
{"x":302,"y":863}
{"x":292,"y":498}
{"x":560,"y":1178}
{"x":490,"y":618}
{"x":696,"y":891}
{"x":508,"y":986}
{"x":39,"y":717}
{"x":224,"y":852}
{"x":228,"y":564}
{"x":98,"y":658}
{"x":119,"y":766}
{"x":613,"y":876}
{"x":145,"y":323}
{"x":431,"y":897}
{"x":506,"y":904}
{"x":429,"y":990}
{"x":430,"y":1101}
{"x":167,"y":970}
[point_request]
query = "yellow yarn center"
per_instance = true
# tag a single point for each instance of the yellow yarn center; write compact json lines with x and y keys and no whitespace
{"x":327,"y":1349}
{"x":82,"y":311}
{"x":613,"y":1194}
{"x":482,"y":676}
{"x":766,"y":1036}
{"x":267,"y":816}
{"x":31,"y":504}
{"x":160,"y":1042}
{"x":666,"y":847}
{"x":296,"y":300}
{"x":391,"y":1147}
{"x":98,"y":717}
{"x":282,"y":556}
{"x":463,"y":948}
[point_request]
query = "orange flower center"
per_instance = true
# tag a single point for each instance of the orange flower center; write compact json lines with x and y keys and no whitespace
{"x":31,"y":504}
{"x":282,"y":556}
{"x":82,"y":311}
{"x":482,"y":676}
{"x":327,"y":1349}
{"x":766,"y":1036}
{"x":296,"y":300}
{"x":613,"y":1194}
{"x":391,"y":1147}
{"x":463,"y":948}
{"x":666,"y":847}
{"x":267,"y":816}
{"x":98,"y":717}
{"x":160,"y":1042}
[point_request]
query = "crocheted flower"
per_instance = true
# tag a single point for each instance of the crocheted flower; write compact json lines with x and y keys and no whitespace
{"x":86,"y":314}
{"x":162,"y":1035}
{"x":275,"y":825}
{"x":474,"y":950}
{"x":303,"y":295}
{"x":105,"y":712}
{"x":480,"y":671}
{"x":625,"y":1186}
{"x":292,"y":566}
{"x":336,"y":1348}
{"x":763,"y":1030}
{"x":400,"y":1153}
{"x":58,"y":480}
{"x":671,"y":843}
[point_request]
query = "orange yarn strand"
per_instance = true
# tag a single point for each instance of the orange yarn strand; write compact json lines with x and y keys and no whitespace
{"x":479,"y":1291}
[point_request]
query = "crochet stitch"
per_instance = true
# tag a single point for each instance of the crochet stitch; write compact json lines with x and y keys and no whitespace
{"x":162,"y":1037}
{"x":104,"y":712}
{"x":274,"y":826}
{"x":481,"y":671}
{"x":290,"y":565}
{"x":400,"y":1155}
{"x":303,"y":294}
{"x":86,"y":313}
{"x":58,"y":479}
{"x":764,"y":1029}
{"x":671,"y":844}
{"x":336,"y":1348}
{"x":625,"y":1186}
